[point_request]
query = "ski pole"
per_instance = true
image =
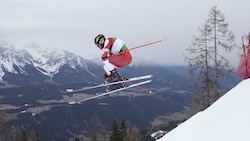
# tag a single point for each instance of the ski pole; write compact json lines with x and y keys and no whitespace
{"x":245,"y":56}
{"x":141,"y":88}
{"x":147,"y":44}
{"x":141,"y":46}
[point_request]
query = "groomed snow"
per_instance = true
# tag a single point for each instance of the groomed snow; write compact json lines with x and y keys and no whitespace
{"x":228,"y":119}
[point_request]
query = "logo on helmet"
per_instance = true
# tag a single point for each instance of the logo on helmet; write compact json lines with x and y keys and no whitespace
{"x":100,"y":39}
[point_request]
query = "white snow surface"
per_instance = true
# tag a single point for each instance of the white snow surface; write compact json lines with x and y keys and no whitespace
{"x":228,"y":119}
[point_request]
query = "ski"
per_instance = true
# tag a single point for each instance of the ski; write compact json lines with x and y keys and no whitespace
{"x":103,"y":84}
{"x":107,"y":93}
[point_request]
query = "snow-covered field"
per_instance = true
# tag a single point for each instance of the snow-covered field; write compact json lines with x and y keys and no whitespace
{"x":228,"y":119}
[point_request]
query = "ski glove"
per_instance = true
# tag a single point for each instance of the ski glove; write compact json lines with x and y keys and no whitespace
{"x":105,"y":56}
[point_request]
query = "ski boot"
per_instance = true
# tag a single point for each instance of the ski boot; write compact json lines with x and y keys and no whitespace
{"x":114,"y":77}
{"x":108,"y":79}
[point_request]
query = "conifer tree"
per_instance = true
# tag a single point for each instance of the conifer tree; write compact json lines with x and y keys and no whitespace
{"x":115,"y":132}
{"x":123,"y":130}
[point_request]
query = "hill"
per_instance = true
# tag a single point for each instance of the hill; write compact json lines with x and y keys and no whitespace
{"x":226,"y":120}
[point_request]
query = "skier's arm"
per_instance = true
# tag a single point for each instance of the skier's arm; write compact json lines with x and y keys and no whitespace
{"x":105,"y":55}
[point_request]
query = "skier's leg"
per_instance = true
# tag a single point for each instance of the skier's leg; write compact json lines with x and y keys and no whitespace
{"x":110,"y":75}
{"x":121,"y":60}
{"x":108,"y":67}
{"x":116,"y":76}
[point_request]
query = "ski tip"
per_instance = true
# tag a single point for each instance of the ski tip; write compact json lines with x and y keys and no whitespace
{"x":69,"y":90}
{"x":72,"y":102}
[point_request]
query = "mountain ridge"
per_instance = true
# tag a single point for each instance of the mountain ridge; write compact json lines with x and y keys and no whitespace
{"x":38,"y":66}
{"x":45,"y":64}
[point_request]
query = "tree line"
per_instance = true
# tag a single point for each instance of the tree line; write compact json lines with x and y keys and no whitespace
{"x":118,"y":132}
{"x":94,"y":131}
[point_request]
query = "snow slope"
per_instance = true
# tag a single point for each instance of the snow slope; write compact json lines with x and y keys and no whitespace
{"x":228,"y":119}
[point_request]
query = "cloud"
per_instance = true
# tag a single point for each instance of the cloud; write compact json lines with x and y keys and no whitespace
{"x":72,"y":25}
{"x":30,"y":45}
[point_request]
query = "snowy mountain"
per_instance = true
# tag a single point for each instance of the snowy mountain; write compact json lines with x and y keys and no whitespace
{"x":36,"y":65}
{"x":226,"y":120}
{"x":33,"y":65}
{"x":13,"y":60}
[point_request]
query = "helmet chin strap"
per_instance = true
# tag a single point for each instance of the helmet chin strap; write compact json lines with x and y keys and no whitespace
{"x":102,"y":46}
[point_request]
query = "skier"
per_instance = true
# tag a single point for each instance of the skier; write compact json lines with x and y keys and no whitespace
{"x":115,"y":55}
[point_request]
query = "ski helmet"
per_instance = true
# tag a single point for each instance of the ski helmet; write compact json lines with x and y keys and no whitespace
{"x":100,"y":39}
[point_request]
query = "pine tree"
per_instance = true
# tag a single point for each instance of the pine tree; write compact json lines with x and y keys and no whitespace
{"x":77,"y":139}
{"x":115,"y":132}
{"x":123,"y":130}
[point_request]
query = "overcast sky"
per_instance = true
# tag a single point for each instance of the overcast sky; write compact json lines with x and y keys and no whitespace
{"x":73,"y":24}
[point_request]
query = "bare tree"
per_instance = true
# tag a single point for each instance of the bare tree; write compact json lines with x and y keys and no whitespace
{"x":206,"y":62}
{"x":19,"y":134}
{"x":95,"y":129}
{"x":221,"y":39}
{"x":2,"y":124}
{"x":199,"y":60}
{"x":132,"y":133}
{"x":33,"y":136}
{"x":124,"y":132}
